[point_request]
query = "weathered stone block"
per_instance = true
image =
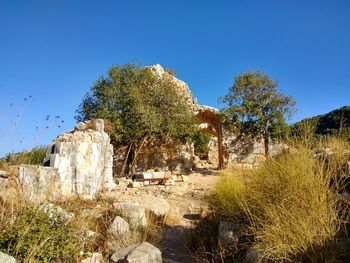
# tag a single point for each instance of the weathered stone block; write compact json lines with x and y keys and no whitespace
{"x":143,"y":253}
{"x":39,"y":183}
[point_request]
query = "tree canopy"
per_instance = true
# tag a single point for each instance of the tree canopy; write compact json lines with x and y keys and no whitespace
{"x":141,"y":106}
{"x":255,"y":106}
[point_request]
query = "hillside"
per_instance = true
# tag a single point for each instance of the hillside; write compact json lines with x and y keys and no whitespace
{"x":330,"y":122}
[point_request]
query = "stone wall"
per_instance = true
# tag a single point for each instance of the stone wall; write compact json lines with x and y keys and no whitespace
{"x":174,"y":158}
{"x":242,"y":152}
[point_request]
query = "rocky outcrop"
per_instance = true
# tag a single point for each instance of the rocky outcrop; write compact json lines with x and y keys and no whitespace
{"x":83,"y":158}
{"x":183,"y":88}
{"x":78,"y":162}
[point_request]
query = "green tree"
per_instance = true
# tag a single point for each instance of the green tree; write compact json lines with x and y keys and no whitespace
{"x":255,"y":106}
{"x":201,"y":144}
{"x":141,"y":106}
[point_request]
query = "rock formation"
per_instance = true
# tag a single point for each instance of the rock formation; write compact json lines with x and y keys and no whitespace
{"x":83,"y":158}
{"x":78,"y":162}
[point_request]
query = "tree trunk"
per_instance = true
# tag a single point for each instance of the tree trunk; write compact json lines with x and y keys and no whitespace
{"x":266,"y":143}
{"x":135,"y":154}
{"x":126,"y":159}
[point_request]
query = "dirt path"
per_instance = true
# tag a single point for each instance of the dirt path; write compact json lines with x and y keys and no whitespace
{"x":187,"y":209}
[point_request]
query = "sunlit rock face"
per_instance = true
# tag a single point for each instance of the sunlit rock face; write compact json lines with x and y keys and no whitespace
{"x":182,"y":87}
{"x":83,"y":158}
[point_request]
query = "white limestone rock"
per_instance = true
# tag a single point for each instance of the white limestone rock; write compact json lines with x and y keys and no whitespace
{"x":4,"y":258}
{"x":39,"y":183}
{"x":143,"y":253}
{"x":83,"y":158}
{"x":133,"y":212}
{"x":119,"y":227}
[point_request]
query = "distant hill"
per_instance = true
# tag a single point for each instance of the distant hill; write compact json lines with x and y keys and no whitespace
{"x":331,"y":122}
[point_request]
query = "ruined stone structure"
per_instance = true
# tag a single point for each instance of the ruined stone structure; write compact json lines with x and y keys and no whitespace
{"x":210,"y":122}
{"x":83,"y":159}
{"x":78,"y":162}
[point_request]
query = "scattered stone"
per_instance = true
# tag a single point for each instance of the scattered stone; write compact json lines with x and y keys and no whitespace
{"x":4,"y":174}
{"x":255,"y":255}
{"x":228,"y":234}
{"x":95,"y":258}
{"x":144,"y":253}
{"x":119,"y":226}
{"x":4,"y":258}
{"x":133,"y":213}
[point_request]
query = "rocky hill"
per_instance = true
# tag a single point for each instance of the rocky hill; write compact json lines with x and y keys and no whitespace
{"x":331,"y":122}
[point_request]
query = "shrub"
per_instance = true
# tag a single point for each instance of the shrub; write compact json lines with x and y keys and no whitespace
{"x":201,"y":144}
{"x":34,"y":156}
{"x":288,"y":204}
{"x":33,"y":236}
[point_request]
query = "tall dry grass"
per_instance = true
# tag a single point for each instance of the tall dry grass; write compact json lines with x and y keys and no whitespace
{"x":290,"y":204}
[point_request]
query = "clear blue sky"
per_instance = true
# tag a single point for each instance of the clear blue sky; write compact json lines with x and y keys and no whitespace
{"x":55,"y":49}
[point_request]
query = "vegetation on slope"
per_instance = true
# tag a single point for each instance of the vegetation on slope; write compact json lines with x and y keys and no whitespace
{"x":290,"y":208}
{"x":332,"y":123}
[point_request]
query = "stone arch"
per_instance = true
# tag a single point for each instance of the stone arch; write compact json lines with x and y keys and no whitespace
{"x":210,"y":122}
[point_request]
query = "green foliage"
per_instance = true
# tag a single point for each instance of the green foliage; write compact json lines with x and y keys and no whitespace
{"x":336,"y":122}
{"x":33,"y":236}
{"x":35,"y":156}
{"x":201,"y":144}
{"x":256,"y":107}
{"x":140,"y":105}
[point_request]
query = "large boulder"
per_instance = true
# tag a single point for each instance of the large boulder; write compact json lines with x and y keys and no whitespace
{"x":4,"y":258}
{"x":144,"y":253}
{"x":83,"y":158}
{"x":134,"y":213}
{"x":39,"y":183}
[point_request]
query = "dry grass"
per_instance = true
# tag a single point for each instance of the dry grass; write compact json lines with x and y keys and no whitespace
{"x":290,"y":204}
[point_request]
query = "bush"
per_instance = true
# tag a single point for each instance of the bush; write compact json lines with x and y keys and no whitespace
{"x":33,"y":236}
{"x":288,"y":204}
{"x":35,"y":156}
{"x":201,"y":144}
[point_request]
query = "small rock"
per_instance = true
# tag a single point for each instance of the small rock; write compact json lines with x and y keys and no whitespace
{"x":95,"y":258}
{"x":255,"y":255}
{"x":4,"y":258}
{"x":4,"y":174}
{"x":144,"y":253}
{"x":136,"y":184}
{"x":228,"y":234}
{"x":119,"y":226}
